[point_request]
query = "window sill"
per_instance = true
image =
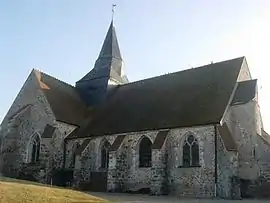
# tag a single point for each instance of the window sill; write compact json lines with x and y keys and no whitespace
{"x":194,"y":166}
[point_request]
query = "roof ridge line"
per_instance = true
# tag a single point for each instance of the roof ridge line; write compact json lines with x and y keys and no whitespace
{"x":54,"y":78}
{"x":190,"y":69}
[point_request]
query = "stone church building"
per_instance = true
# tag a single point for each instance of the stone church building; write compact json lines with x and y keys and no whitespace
{"x":196,"y":132}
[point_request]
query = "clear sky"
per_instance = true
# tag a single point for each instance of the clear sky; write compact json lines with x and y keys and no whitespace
{"x":63,"y":38}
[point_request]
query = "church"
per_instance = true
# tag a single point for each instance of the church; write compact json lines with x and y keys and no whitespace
{"x":192,"y":133}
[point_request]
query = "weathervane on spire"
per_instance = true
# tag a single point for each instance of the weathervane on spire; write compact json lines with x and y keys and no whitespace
{"x":113,"y":6}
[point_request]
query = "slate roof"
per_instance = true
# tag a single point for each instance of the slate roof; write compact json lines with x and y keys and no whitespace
{"x":245,"y":92}
{"x":48,"y":131}
{"x":192,"y":97}
{"x":160,"y":139}
{"x":63,"y":98}
{"x":110,"y":45}
{"x":82,"y":147}
{"x":265,"y":136}
{"x":117,"y":143}
{"x":109,"y":62}
{"x":227,"y":137}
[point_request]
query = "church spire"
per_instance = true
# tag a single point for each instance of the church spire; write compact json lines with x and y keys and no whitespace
{"x":107,"y":72}
{"x":110,"y":47}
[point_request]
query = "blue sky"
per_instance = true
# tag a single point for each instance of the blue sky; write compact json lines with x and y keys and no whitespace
{"x":63,"y":38}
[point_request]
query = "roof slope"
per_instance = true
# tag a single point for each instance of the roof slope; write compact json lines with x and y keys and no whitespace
{"x":109,"y":62}
{"x":191,"y":97}
{"x":63,"y":99}
{"x":110,"y":46}
{"x":108,"y":70}
{"x":245,"y":92}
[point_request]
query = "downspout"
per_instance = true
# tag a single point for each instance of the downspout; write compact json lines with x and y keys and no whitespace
{"x":216,"y":169}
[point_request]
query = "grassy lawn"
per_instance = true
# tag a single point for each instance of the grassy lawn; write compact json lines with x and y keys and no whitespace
{"x":18,"y":191}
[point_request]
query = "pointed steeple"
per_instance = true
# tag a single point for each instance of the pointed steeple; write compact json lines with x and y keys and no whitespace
{"x":108,"y":71}
{"x":110,"y":46}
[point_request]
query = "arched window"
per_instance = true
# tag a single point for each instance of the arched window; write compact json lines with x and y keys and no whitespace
{"x":145,"y":153}
{"x":34,"y":149}
{"x":105,"y":154}
{"x":190,"y":151}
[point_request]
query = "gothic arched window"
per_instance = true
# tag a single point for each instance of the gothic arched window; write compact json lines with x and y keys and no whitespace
{"x":105,"y":154}
{"x":145,"y":153}
{"x":34,"y":149}
{"x":190,"y":151}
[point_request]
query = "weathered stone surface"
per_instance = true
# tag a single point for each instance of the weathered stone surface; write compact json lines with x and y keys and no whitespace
{"x":227,"y":166}
{"x":194,"y":181}
{"x":16,"y":132}
{"x":220,"y":172}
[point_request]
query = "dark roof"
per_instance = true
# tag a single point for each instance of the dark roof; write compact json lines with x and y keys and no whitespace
{"x":160,"y":139}
{"x":265,"y":136}
{"x":82,"y":147}
{"x":110,"y":45}
{"x":94,"y":85}
{"x":227,"y":138}
{"x":109,"y":62}
{"x":64,"y":101}
{"x":245,"y":92}
{"x":191,"y":97}
{"x":48,"y":131}
{"x":117,"y":143}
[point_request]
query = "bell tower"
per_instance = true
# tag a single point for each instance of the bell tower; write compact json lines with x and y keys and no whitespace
{"x":107,"y":71}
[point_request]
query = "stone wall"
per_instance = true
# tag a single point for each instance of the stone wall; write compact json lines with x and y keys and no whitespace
{"x":118,"y":167}
{"x":19,"y":125}
{"x":124,"y":173}
{"x":159,"y":173}
{"x":28,"y":115}
{"x":89,"y":160}
{"x":244,"y":72}
{"x":124,"y":165}
{"x":227,"y":169}
{"x":241,"y":121}
{"x":194,"y":181}
{"x":57,"y":141}
{"x":167,"y":175}
{"x":136,"y":177}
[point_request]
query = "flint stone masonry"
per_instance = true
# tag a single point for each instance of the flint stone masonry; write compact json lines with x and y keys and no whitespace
{"x":62,"y":131}
{"x":124,"y":165}
{"x":159,"y":181}
{"x":222,"y":173}
{"x":194,"y":181}
{"x":243,"y":128}
{"x":227,"y":166}
{"x":16,"y":132}
{"x":166,"y":174}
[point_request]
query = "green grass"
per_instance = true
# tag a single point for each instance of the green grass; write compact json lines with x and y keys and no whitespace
{"x":19,"y":191}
